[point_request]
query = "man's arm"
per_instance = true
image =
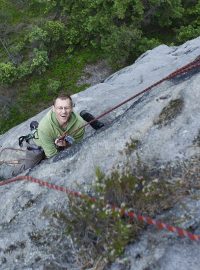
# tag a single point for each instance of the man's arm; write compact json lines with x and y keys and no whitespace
{"x":47,"y":142}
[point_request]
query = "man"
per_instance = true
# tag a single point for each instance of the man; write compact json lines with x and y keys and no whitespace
{"x":48,"y":139}
{"x":60,"y":119}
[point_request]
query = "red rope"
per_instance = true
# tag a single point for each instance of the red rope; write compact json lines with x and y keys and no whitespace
{"x":132,"y":215}
{"x":148,"y":220}
{"x":11,"y":148}
{"x":17,"y":161}
{"x":184,"y":69}
{"x":13,"y":161}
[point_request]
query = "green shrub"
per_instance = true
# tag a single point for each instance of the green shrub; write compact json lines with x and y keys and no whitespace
{"x":188,"y":32}
{"x":43,"y":6}
{"x":190,"y":26}
{"x":37,"y":34}
{"x":23,"y":70}
{"x":17,"y":47}
{"x":165,"y":12}
{"x":8,"y":73}
{"x":40,"y":61}
{"x":54,"y":29}
{"x":146,"y":44}
{"x":53,"y":86}
{"x":98,"y":229}
{"x":121,"y":42}
{"x":34,"y":90}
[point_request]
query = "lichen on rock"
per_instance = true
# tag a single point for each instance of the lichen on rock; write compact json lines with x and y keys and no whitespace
{"x":170,"y":112}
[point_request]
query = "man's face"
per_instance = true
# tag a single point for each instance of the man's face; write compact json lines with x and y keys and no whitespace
{"x":63,"y":110}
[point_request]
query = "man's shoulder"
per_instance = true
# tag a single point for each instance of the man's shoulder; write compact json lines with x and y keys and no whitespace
{"x":46,"y":122}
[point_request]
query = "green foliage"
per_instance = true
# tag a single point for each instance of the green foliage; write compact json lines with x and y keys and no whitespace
{"x":45,"y":5}
{"x":167,"y":11}
{"x":147,"y":44}
{"x":134,"y":26}
{"x":68,"y":68}
{"x":158,"y":7}
{"x":188,"y":32}
{"x":40,"y":61}
{"x":35,"y":90}
{"x":62,"y":73}
{"x":16,"y":48}
{"x":37,"y":34}
{"x":170,"y":112}
{"x":9,"y":14}
{"x":130,"y":146}
{"x":7,"y":73}
{"x":15,"y":116}
{"x":53,"y":86}
{"x":88,"y":24}
{"x":54,"y":29}
{"x":190,"y":27}
{"x":23,"y":70}
{"x":97,"y":228}
{"x":61,"y":30}
{"x":120,"y":8}
{"x":121,"y":42}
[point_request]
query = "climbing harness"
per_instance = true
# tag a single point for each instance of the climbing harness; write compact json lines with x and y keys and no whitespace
{"x":27,"y":138}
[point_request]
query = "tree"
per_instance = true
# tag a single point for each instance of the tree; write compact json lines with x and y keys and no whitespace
{"x":190,"y":26}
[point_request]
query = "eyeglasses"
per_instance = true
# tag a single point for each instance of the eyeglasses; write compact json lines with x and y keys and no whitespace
{"x":63,"y":108}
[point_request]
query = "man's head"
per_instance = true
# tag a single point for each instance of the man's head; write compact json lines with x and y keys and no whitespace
{"x":63,"y":107}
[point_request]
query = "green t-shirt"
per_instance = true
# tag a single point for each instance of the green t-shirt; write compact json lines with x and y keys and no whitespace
{"x":49,"y":130}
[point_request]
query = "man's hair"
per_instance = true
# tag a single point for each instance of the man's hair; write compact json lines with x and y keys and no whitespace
{"x":63,"y":96}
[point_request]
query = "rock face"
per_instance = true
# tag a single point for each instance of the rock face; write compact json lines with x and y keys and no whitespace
{"x":165,"y":122}
{"x":95,"y":73}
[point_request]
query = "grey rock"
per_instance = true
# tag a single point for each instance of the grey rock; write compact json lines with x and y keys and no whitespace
{"x":165,"y":121}
{"x":95,"y":73}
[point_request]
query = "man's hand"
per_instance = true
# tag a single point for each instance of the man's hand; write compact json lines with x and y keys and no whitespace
{"x":61,"y":142}
{"x":64,"y":142}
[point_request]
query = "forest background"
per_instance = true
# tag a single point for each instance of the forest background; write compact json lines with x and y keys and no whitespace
{"x":46,"y":44}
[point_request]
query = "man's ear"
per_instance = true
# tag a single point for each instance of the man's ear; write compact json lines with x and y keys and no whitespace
{"x":53,"y":108}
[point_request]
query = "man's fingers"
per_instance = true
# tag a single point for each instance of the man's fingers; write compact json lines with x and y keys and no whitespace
{"x":61,"y":142}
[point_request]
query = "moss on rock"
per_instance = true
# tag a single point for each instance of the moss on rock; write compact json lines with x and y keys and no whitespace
{"x":170,"y":112}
